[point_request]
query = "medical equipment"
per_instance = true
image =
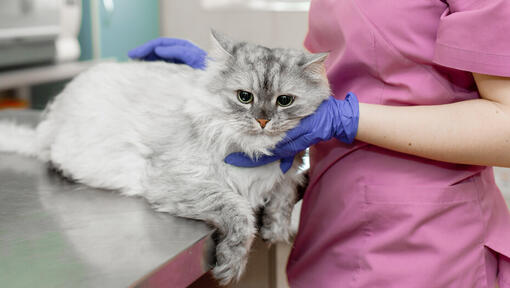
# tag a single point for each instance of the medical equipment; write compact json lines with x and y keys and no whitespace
{"x":38,"y":31}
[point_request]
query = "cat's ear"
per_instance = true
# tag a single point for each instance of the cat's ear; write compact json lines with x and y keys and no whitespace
{"x":314,"y":65}
{"x":222,"y":45}
{"x":314,"y":60}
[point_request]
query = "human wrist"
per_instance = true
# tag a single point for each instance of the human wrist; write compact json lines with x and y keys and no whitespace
{"x":347,"y":118}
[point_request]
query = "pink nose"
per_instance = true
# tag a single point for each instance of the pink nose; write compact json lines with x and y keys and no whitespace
{"x":262,"y":122}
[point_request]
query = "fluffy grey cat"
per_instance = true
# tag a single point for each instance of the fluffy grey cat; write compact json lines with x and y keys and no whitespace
{"x":162,"y":131}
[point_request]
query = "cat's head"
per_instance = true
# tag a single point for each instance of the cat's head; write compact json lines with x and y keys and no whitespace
{"x":264,"y":92}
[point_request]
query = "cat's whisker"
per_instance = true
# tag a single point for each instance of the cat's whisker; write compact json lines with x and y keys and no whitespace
{"x":297,"y":117}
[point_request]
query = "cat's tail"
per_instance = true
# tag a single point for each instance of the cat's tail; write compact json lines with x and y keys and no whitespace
{"x":17,"y":138}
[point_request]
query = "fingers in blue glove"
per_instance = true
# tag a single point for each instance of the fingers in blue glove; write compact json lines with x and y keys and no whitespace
{"x":294,"y":133}
{"x":145,"y":49}
{"x":298,"y":133}
{"x":151,"y":57}
{"x":333,"y":118}
{"x":171,"y":50}
{"x":192,"y":56}
{"x":240,"y":159}
{"x":286,"y":164}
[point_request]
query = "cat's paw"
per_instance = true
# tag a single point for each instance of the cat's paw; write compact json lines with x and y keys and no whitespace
{"x":276,"y":232}
{"x":230,"y":262}
{"x":226,"y":273}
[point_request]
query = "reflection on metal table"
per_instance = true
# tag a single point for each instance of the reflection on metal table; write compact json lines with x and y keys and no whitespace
{"x":55,"y":233}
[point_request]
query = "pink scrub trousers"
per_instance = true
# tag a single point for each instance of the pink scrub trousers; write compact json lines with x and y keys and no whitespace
{"x":376,"y":218}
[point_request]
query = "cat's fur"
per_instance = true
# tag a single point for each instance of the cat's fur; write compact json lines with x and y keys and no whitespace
{"x":162,"y":131}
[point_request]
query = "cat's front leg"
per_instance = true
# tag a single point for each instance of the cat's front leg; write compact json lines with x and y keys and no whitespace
{"x":233,"y":217}
{"x":276,"y":216}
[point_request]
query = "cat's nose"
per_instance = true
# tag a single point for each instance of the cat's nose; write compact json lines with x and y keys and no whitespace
{"x":263,"y":122}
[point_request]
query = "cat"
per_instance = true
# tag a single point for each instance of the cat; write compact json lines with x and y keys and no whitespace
{"x":161,"y":131}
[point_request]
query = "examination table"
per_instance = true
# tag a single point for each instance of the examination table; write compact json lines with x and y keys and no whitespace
{"x":55,"y":233}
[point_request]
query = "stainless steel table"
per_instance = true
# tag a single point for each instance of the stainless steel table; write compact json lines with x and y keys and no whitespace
{"x":54,"y":233}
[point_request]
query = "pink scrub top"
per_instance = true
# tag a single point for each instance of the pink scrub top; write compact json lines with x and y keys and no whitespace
{"x":376,"y":218}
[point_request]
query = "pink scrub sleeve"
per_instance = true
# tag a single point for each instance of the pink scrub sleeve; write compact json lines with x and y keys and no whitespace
{"x":474,"y":35}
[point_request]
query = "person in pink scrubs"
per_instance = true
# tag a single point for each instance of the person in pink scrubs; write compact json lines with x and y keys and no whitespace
{"x":412,"y":202}
{"x":395,"y":209}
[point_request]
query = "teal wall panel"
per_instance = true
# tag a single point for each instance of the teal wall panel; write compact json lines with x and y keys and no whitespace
{"x":85,"y":35}
{"x":131,"y":23}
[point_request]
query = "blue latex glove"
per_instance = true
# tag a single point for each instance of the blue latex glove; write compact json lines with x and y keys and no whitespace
{"x":171,"y":50}
{"x":333,"y":118}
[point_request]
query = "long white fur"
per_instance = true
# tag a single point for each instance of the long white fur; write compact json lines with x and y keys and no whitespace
{"x":94,"y":132}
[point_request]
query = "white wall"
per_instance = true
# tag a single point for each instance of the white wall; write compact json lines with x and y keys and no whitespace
{"x":192,"y":20}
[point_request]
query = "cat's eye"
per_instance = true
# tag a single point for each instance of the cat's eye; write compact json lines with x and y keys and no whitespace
{"x":244,"y":97}
{"x":285,"y":100}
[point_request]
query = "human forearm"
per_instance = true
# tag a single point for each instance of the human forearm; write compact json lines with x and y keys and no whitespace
{"x":475,"y":132}
{"x":468,"y":132}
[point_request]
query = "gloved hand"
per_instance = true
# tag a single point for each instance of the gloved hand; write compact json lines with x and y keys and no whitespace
{"x":333,"y":118}
{"x":171,"y":50}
